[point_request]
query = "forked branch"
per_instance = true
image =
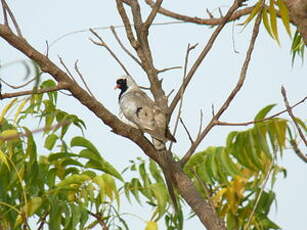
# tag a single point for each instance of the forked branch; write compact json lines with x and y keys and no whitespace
{"x":230,"y":98}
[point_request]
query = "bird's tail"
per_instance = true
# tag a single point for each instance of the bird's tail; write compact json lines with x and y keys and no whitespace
{"x":170,"y":188}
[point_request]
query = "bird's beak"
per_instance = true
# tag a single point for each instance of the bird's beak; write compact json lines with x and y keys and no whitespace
{"x":117,"y":86}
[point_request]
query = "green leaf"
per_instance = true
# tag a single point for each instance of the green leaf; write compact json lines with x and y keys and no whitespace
{"x":273,"y":20}
{"x":263,"y":112}
{"x":20,"y":108}
{"x":73,"y":179}
{"x":266,"y":22}
{"x":161,"y":195}
{"x":253,"y":13}
{"x":50,"y":141}
{"x":6,"y":109}
{"x":283,"y":10}
{"x":82,"y":142}
{"x":155,"y":172}
{"x":99,"y":164}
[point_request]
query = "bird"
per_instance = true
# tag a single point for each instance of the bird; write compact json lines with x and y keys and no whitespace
{"x":138,"y":110}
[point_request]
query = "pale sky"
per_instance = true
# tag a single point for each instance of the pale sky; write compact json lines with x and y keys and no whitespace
{"x":269,"y":69}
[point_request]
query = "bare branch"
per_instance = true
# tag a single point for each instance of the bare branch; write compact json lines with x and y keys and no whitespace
{"x":169,"y":68}
{"x":298,"y":151}
{"x":221,"y":123}
{"x":202,"y":21}
{"x":152,"y":14}
{"x":127,"y":23}
{"x":259,"y":195}
{"x":19,"y":86}
{"x":83,"y":79}
{"x":6,"y":8}
{"x":189,"y":49}
{"x":203,"y":54}
{"x":187,"y":131}
{"x":123,"y":47}
{"x":67,"y":70}
{"x":229,"y":99}
{"x":28,"y":133}
{"x":60,"y":86}
{"x":284,"y":94}
{"x":102,"y":43}
{"x":100,"y":220}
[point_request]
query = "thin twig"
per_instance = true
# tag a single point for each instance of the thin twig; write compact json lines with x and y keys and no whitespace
{"x":170,"y":93}
{"x":169,"y":68}
{"x":42,"y":221}
{"x":187,"y":131}
{"x":67,"y":70}
{"x":28,"y":133}
{"x":127,"y":23}
{"x":230,"y":98}
{"x":123,"y":47}
{"x":60,"y":86}
{"x":4,"y":14}
{"x":102,"y":43}
{"x":19,"y":86}
{"x":203,"y":54}
{"x":284,"y":94}
{"x":100,"y":220}
{"x":259,"y":195}
{"x":152,"y":14}
{"x":298,"y":151}
{"x":200,"y":123}
{"x":7,"y":8}
{"x":186,"y":60}
{"x":222,"y":123}
{"x":83,"y":79}
{"x":202,"y":21}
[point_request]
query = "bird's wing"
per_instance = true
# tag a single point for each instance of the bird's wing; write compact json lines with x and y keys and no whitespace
{"x":142,"y":111}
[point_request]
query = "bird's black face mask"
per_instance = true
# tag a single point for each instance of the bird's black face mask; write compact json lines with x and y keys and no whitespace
{"x":122,"y":85}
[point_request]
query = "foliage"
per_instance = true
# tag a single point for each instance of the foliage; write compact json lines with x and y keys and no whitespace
{"x":65,"y":183}
{"x":269,"y":14}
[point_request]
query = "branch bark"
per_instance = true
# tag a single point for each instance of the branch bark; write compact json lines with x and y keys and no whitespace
{"x":203,"y":54}
{"x":230,"y":98}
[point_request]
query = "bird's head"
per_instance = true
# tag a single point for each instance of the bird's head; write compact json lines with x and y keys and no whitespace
{"x":125,"y":83}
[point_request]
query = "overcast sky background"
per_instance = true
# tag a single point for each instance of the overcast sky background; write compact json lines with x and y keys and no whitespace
{"x":269,"y":69}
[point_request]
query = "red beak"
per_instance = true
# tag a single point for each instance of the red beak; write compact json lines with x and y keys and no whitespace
{"x":117,"y":86}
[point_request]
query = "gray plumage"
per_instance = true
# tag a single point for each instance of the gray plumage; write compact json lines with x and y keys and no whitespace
{"x":138,"y":110}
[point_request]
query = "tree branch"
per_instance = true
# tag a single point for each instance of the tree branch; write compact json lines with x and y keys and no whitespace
{"x":298,"y":151}
{"x":60,"y":86}
{"x":222,"y":123}
{"x":123,"y":47}
{"x":284,"y":94}
{"x":230,"y":98}
{"x":6,"y":8}
{"x":102,"y":43}
{"x":210,"y":21}
{"x":203,"y":54}
{"x":152,"y":14}
{"x":80,"y":94}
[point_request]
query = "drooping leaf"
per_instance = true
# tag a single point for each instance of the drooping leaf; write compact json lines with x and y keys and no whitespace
{"x":151,"y":225}
{"x":283,"y":10}
{"x":273,"y":20}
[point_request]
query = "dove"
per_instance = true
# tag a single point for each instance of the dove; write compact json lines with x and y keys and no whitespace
{"x":139,"y":110}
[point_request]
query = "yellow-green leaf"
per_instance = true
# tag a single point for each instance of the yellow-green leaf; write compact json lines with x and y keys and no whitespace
{"x":3,"y":159}
{"x":284,"y":15}
{"x":151,"y":225}
{"x":29,"y":209}
{"x":265,"y":20}
{"x":6,"y":109}
{"x":273,"y":20}
{"x":20,"y":107}
{"x":253,"y":13}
